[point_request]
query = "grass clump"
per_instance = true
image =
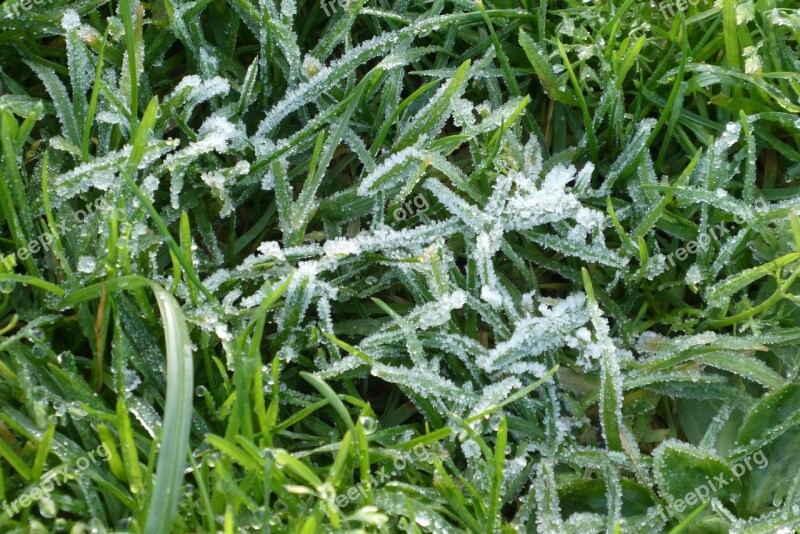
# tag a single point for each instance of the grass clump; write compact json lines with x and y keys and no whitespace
{"x":422,"y":266}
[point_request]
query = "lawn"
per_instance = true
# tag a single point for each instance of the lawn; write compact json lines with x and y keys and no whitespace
{"x":415,"y":266}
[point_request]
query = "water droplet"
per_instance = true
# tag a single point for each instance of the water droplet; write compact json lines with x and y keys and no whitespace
{"x":211,"y":460}
{"x":7,"y":286}
{"x":130,"y":379}
{"x":369,"y":423}
{"x":423,"y":520}
{"x":326,"y":491}
{"x":47,"y":507}
{"x":76,"y":410}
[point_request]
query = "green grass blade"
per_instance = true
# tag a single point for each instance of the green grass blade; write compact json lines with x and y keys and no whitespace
{"x":168,"y":482}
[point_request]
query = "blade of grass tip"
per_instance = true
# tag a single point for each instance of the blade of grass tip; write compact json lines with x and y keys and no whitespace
{"x":732,"y":56}
{"x":205,"y":499}
{"x":587,"y":284}
{"x":126,"y":11}
{"x":254,"y":356}
{"x":10,"y":199}
{"x":683,"y":525}
{"x":113,"y":456}
{"x":626,"y":241}
{"x":666,"y":200}
{"x":544,"y":71}
{"x":508,"y":74}
{"x":310,"y":526}
{"x":230,"y":522}
{"x":233,"y":452}
{"x":629,"y":446}
{"x":443,"y":432}
{"x":337,"y":470}
{"x":242,"y":382}
{"x":95,"y":290}
{"x":29,"y":124}
{"x":42,"y":451}
{"x":497,"y":483}
{"x":15,"y":461}
{"x":186,"y":246}
{"x":133,"y":471}
{"x":630,"y":56}
{"x":617,"y":16}
{"x":257,"y":379}
{"x":10,"y":326}
{"x":749,"y":178}
{"x":248,"y":85}
{"x":298,"y":468}
{"x":56,"y":247}
{"x":337,"y":404}
{"x":37,"y":282}
{"x":176,"y":274}
{"x":349,"y":348}
{"x":376,"y":145}
{"x":675,"y":114}
{"x":610,"y":402}
{"x":439,"y":107}
{"x":168,"y":483}
{"x":587,"y":119}
{"x":173,"y":246}
{"x":283,"y":199}
{"x":100,"y":329}
{"x":362,"y":442}
{"x":315,"y":155}
{"x":271,"y":421}
{"x":87,"y":127}
{"x":298,"y":416}
{"x":263,"y":308}
{"x":644,"y":256}
{"x":143,"y":134}
{"x":795,"y":222}
{"x":304,"y":208}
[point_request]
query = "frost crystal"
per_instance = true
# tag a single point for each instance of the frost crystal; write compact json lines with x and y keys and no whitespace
{"x":216,"y":134}
{"x":311,"y":66}
{"x":535,"y":335}
{"x":70,"y":20}
{"x":87,"y":264}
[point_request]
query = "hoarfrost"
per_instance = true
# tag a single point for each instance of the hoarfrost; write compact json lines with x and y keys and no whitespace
{"x":470,"y":449}
{"x":271,"y":249}
{"x":391,"y":171}
{"x":311,"y":66}
{"x":87,"y":264}
{"x":693,"y":276}
{"x":494,"y":394}
{"x":535,"y":335}
{"x":215,"y":135}
{"x":70,"y":20}
{"x":146,"y":415}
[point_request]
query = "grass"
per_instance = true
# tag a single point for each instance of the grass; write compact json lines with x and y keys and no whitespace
{"x":588,"y":310}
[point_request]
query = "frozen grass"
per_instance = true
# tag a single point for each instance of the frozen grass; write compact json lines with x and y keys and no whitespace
{"x":425,"y":267}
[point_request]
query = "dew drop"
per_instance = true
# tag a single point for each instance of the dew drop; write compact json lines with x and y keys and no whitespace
{"x":369,"y":423}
